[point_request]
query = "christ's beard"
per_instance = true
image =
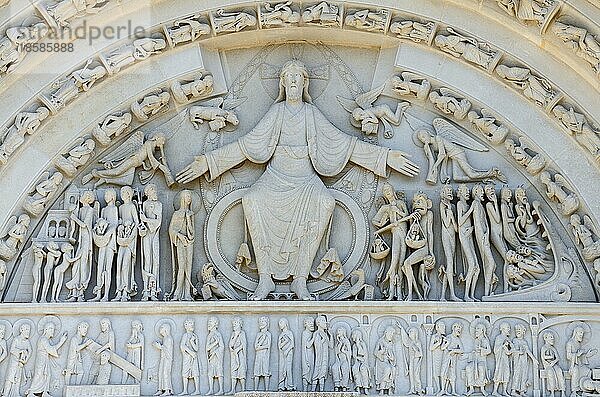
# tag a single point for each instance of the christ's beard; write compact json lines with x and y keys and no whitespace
{"x":294,"y":94}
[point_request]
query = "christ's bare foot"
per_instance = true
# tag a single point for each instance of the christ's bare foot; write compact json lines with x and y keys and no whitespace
{"x":298,"y":287}
{"x":265,"y":285}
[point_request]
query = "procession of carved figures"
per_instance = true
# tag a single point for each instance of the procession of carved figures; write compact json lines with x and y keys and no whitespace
{"x":391,"y":355}
{"x":104,"y":242}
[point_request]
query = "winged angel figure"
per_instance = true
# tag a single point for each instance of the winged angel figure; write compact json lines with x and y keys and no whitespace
{"x":447,"y":145}
{"x":366,"y":116}
{"x":119,"y":166}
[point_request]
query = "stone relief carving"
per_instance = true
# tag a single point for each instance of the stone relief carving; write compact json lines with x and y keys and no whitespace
{"x":229,"y":22}
{"x":536,"y":12}
{"x":368,"y":117}
{"x":361,"y":373}
{"x":238,"y":355}
{"x":215,"y":286}
{"x":189,"y":347}
{"x":368,"y":20}
{"x":456,"y":362}
{"x":414,"y":30}
{"x":77,"y":157}
{"x":294,"y":90}
{"x":151,"y":215}
{"x":522,"y":356}
{"x":182,"y":236}
{"x":104,"y":236}
{"x":150,"y":105}
{"x":186,"y":91}
{"x":25,"y":123}
{"x":111,"y":127}
{"x":413,"y":350}
{"x":583,"y":44}
{"x":536,"y":89}
{"x":218,"y":286}
{"x":452,"y":353}
{"x":474,"y":381}
{"x":279,"y":15}
{"x":214,"y":357}
{"x":558,"y":189}
{"x":285,"y":345}
{"x":323,"y":14}
{"x":552,"y":373}
{"x":488,"y":125}
{"x":470,"y":49}
{"x":411,"y":84}
{"x":18,"y":366}
{"x":447,"y":145}
{"x":164,"y":370}
{"x":135,"y":348}
{"x":586,"y":235}
{"x":126,"y":236}
{"x":66,"y":90}
{"x":526,"y":154}
{"x":43,"y":193}
{"x":578,"y":126}
{"x":186,"y":30}
{"x":12,"y":45}
{"x":449,"y":228}
{"x":393,"y":217}
{"x":47,"y":354}
{"x":219,"y":116}
{"x":262,"y":354}
{"x":482,"y":237}
{"x":342,"y":359}
{"x":385,"y":362}
{"x":129,"y":54}
{"x":61,"y":13}
{"x":450,"y":102}
{"x":307,"y":350}
{"x":138,"y":151}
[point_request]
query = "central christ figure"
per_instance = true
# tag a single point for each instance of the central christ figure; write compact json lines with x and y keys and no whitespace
{"x":288,"y":209}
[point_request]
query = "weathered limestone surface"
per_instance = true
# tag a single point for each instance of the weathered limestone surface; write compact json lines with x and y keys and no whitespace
{"x":300,"y":198}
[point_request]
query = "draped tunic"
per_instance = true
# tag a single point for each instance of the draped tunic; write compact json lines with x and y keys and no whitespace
{"x":288,"y":209}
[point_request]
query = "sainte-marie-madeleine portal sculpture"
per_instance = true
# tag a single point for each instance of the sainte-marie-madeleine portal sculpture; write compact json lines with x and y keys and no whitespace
{"x":301,"y":198}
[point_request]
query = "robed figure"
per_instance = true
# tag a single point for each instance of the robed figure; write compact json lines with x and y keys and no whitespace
{"x":288,"y":209}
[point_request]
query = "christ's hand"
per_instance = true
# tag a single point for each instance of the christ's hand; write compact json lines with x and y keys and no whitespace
{"x":195,"y":169}
{"x":398,"y":161}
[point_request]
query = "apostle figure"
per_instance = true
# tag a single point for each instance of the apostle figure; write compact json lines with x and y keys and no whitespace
{"x":285,"y":345}
{"x":47,"y":354}
{"x":322,"y":342}
{"x":550,"y":360}
{"x":308,"y":353}
{"x":262,"y":353}
{"x":135,"y":349}
{"x":189,"y":347}
{"x":289,"y":209}
{"x":214,"y":356}
{"x":238,"y":353}
{"x":78,"y":347}
{"x":19,"y":356}
{"x":165,"y":363}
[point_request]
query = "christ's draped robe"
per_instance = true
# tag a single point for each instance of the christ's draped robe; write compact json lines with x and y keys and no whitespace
{"x":288,"y":209}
